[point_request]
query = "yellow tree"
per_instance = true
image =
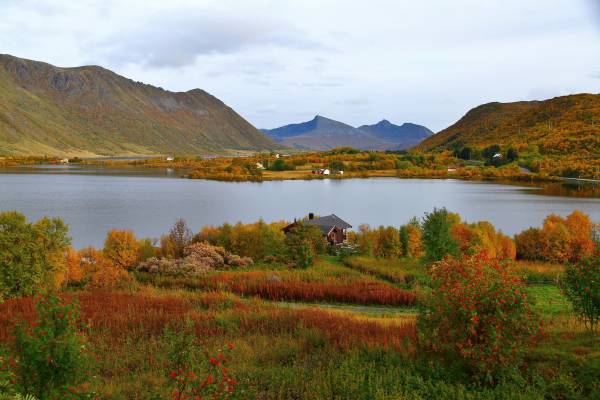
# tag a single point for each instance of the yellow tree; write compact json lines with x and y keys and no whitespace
{"x":121,"y":248}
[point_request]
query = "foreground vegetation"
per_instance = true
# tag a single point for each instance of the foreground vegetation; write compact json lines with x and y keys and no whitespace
{"x":438,"y":308}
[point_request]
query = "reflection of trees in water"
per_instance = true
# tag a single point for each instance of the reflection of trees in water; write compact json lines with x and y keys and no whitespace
{"x":568,"y":189}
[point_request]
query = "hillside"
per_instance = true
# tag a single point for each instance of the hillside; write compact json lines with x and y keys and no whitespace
{"x":560,"y":126}
{"x":47,"y":110}
{"x":322,"y":133}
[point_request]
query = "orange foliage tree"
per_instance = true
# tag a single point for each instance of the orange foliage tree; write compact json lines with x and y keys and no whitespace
{"x":121,"y":248}
{"x":559,"y":240}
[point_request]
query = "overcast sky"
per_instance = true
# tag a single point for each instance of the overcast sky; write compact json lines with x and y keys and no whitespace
{"x":278,"y":62}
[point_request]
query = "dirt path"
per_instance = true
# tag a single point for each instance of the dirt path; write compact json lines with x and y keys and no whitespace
{"x":358,"y":309}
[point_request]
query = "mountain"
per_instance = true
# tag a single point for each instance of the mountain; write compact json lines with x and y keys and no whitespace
{"x":406,"y":135}
{"x":47,"y":110}
{"x":562,"y":125}
{"x":322,"y":133}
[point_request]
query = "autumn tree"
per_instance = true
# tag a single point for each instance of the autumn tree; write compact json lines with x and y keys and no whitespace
{"x":411,"y":239}
{"x":31,"y":254}
{"x":121,"y":248}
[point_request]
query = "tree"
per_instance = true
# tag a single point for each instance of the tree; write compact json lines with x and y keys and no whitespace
{"x":303,"y":243}
{"x":411,"y":239}
{"x":437,"y":234}
{"x":582,"y":288}
{"x":180,"y":236}
{"x":31,"y":254}
{"x":121,"y":248}
{"x":478,"y":313}
{"x":512,"y":154}
{"x":388,"y":242}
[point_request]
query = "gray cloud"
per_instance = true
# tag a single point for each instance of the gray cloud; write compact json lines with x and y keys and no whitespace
{"x":177,"y":39}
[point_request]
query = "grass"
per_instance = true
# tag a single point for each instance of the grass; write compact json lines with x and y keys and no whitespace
{"x":539,"y":272}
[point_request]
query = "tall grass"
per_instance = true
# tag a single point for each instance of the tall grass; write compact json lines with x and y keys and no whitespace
{"x":289,"y":287}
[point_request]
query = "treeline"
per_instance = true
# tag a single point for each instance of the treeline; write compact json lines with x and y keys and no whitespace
{"x":442,"y":233}
{"x":37,"y":257}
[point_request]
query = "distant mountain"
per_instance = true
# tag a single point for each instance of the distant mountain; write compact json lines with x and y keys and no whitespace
{"x":405,"y":136}
{"x":562,"y":126}
{"x":47,"y":110}
{"x":322,"y":133}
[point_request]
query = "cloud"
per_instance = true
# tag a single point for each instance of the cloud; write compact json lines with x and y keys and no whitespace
{"x":178,"y":38}
{"x":354,"y":102}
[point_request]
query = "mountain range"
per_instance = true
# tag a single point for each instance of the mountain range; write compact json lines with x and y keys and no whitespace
{"x":566,"y":125}
{"x":88,"y":111}
{"x":322,"y":133}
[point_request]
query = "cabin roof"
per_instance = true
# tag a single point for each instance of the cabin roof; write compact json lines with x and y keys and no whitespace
{"x":329,"y":221}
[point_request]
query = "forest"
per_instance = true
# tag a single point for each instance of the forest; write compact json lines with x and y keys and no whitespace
{"x":436,"y":308}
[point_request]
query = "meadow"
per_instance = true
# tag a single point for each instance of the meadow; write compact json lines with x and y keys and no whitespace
{"x":344,"y":327}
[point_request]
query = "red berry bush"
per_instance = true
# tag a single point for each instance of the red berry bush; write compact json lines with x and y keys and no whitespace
{"x":477,"y":313}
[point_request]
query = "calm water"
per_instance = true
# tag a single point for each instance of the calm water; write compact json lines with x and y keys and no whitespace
{"x":94,"y":200}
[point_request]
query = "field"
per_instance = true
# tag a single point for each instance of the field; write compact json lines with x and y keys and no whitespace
{"x":339,"y":330}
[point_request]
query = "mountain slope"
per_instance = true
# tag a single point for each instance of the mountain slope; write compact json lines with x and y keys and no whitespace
{"x":92,"y":111}
{"x":562,"y":125}
{"x":322,"y":133}
{"x":405,"y":136}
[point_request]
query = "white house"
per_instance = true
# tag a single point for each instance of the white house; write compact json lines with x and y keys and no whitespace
{"x":326,"y":171}
{"x":259,"y":166}
{"x":498,"y":155}
{"x":170,"y":158}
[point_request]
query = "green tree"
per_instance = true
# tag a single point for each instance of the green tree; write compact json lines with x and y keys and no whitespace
{"x":49,"y":355}
{"x":31,"y":254}
{"x":512,"y":154}
{"x":303,"y":243}
{"x":437,"y":235}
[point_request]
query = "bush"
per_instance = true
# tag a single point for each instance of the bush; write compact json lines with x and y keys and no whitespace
{"x":50,"y":361}
{"x":478,"y":314}
{"x":31,"y":255}
{"x":438,"y":241}
{"x":199,"y":259}
{"x":582,"y":288}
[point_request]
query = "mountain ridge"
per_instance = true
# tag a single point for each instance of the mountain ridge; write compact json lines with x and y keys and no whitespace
{"x":91,"y":110}
{"x":323,"y":133}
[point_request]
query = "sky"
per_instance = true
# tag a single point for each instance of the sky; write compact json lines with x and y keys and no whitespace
{"x":281,"y":61}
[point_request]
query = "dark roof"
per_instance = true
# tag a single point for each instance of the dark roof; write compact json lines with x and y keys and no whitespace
{"x":329,"y":221}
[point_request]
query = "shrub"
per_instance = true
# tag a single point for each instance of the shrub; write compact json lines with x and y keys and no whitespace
{"x":121,"y":248}
{"x":582,"y":288}
{"x":478,"y":312}
{"x":199,"y":259}
{"x":438,"y":241}
{"x":50,"y":360}
{"x":31,"y":254}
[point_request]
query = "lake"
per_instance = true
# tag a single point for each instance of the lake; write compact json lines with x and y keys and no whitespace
{"x":93,"y":200}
